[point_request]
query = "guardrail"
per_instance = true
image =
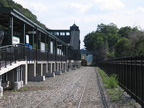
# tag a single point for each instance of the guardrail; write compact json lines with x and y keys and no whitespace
{"x":130,"y":72}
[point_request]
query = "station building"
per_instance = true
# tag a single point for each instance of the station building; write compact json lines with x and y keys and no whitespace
{"x":29,"y":52}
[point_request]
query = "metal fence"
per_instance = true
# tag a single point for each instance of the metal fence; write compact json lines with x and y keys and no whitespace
{"x":130,"y":72}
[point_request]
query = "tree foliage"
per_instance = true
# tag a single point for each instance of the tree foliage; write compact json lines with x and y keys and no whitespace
{"x":21,"y":9}
{"x":3,"y":3}
{"x":109,"y":41}
{"x":122,"y":47}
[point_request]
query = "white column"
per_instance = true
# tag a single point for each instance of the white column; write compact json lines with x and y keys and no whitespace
{"x":1,"y":88}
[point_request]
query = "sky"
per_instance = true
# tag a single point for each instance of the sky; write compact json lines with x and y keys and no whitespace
{"x":87,"y":14}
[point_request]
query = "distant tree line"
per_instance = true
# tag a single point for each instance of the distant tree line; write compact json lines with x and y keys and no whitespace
{"x":21,"y":9}
{"x":110,"y":42}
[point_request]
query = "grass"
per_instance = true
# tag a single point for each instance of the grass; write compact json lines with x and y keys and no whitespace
{"x":20,"y":90}
{"x":111,"y":85}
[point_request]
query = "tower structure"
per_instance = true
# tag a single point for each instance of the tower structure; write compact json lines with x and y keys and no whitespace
{"x":75,"y":37}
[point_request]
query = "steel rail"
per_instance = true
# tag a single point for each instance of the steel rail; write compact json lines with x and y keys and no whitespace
{"x":83,"y":92}
{"x":55,"y":91}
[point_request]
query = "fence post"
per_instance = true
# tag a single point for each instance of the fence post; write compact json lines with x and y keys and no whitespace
{"x":136,"y":77}
{"x":131,"y":74}
{"x":0,"y":57}
{"x":142,"y":58}
{"x":119,"y":70}
{"x":5,"y":56}
{"x":126,"y":73}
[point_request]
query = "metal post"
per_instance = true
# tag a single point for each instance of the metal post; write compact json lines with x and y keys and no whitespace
{"x":23,"y":38}
{"x":136,"y":78}
{"x":36,"y":48}
{"x":131,"y":74}
{"x":142,"y":72}
{"x":5,"y":54}
{"x":10,"y":30}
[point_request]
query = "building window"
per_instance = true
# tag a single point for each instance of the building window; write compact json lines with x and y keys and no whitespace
{"x":62,"y":33}
{"x":56,"y":33}
{"x":51,"y":47}
{"x":67,"y":33}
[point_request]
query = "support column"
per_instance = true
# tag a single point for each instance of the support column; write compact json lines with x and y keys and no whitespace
{"x":54,"y":67}
{"x":1,"y":88}
{"x":58,"y":71}
{"x":70,"y":65}
{"x":47,"y":69}
{"x":35,"y":64}
{"x":25,"y":73}
{"x":44,"y":68}
{"x":60,"y":66}
{"x":64,"y":67}
{"x":21,"y":74}
{"x":41,"y":73}
{"x":31,"y":71}
{"x":39,"y":76}
{"x":17,"y":82}
{"x":50,"y":70}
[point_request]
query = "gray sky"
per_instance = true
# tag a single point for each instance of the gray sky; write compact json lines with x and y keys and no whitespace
{"x":87,"y":14}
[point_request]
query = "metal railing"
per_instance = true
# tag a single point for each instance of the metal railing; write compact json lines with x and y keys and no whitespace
{"x":12,"y":53}
{"x":130,"y":72}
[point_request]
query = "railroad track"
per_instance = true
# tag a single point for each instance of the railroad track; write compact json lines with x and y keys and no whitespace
{"x":79,"y":102}
{"x":105,"y":104}
{"x":56,"y":91}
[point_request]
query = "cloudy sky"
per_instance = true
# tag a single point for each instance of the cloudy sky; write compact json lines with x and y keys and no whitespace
{"x":87,"y":14}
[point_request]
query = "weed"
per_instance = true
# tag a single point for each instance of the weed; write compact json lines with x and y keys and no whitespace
{"x":115,"y":94}
{"x":25,"y":89}
{"x":111,"y":84}
{"x":14,"y":90}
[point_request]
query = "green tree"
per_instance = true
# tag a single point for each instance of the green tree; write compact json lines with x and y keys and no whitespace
{"x":21,"y":9}
{"x":109,"y":41}
{"x":122,"y":47}
{"x":110,"y":32}
{"x":102,"y":41}
{"x":136,"y":38}
{"x":125,"y":31}
{"x":89,"y":41}
{"x":3,"y":3}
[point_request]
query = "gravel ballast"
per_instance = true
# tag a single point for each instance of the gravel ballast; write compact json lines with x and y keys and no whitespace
{"x":62,"y":91}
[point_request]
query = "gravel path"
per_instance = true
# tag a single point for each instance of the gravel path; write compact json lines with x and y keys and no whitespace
{"x":63,"y":91}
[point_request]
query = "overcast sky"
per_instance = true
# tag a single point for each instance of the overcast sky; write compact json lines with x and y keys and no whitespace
{"x":87,"y":14}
